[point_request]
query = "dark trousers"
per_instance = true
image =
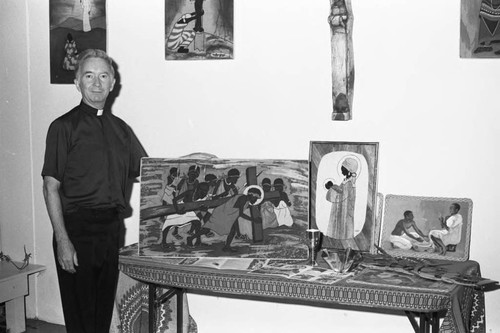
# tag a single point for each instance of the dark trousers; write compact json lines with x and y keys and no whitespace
{"x":88,"y":295}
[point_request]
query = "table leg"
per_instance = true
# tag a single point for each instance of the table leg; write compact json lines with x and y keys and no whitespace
{"x":180,"y":310}
{"x":435,"y":322}
{"x":152,"y":308}
{"x":15,"y":315}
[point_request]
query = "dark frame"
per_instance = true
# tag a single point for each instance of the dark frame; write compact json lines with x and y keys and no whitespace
{"x":323,"y":154}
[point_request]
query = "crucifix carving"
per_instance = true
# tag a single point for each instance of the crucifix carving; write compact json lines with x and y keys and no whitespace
{"x":341,"y":23}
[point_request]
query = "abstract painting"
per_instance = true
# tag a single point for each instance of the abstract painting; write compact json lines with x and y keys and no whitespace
{"x":343,"y":194}
{"x":427,"y":227}
{"x":198,"y":29}
{"x":75,"y":25}
{"x":480,"y":29}
{"x":233,"y":208}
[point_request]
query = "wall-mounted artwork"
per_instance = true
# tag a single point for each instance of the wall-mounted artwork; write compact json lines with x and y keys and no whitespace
{"x":341,"y":23}
{"x":75,"y":25}
{"x":198,"y":29}
{"x":427,"y":227}
{"x":224,"y":208}
{"x":343,"y":194}
{"x":480,"y":29}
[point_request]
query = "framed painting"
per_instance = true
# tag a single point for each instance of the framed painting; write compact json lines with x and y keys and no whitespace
{"x":480,"y":29}
{"x":75,"y":25}
{"x":427,"y":227}
{"x":198,"y":29}
{"x":343,"y":193}
{"x":224,"y":208}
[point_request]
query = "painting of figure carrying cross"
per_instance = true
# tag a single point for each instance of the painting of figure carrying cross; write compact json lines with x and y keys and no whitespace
{"x":224,"y":208}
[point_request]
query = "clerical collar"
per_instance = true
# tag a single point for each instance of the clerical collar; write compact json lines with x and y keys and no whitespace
{"x":90,"y":110}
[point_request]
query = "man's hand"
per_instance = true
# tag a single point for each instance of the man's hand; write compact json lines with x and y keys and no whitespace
{"x":66,"y":256}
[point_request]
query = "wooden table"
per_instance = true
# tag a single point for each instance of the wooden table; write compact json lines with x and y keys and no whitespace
{"x":422,"y":306}
{"x":13,"y":289}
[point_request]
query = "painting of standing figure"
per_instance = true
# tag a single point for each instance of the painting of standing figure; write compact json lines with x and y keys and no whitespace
{"x":480,"y":29}
{"x":224,"y":208}
{"x":75,"y":25}
{"x":427,"y":227}
{"x":343,"y":193}
{"x":198,"y":29}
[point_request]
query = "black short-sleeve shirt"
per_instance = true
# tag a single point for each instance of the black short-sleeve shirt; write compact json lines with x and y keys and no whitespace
{"x":93,"y":157}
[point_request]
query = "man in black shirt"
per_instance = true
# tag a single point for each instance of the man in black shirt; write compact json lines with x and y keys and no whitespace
{"x":90,"y":157}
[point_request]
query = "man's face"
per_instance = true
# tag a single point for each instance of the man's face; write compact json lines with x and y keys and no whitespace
{"x":453,"y":210}
{"x":94,"y":81}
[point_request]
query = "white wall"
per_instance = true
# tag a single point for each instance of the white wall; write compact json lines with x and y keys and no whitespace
{"x":434,"y":114}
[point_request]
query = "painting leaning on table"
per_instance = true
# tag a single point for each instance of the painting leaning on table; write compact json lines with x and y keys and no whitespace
{"x":427,"y":227}
{"x":230,"y":208}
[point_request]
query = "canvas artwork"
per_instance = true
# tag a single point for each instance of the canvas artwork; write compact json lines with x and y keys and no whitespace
{"x":75,"y":25}
{"x":343,"y":194}
{"x":341,"y":23}
{"x":480,"y":29}
{"x":224,"y":208}
{"x":427,"y":227}
{"x":198,"y":29}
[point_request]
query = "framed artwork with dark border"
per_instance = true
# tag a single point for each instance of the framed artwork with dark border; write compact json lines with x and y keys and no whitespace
{"x":343,"y":193}
{"x":427,"y":227}
{"x":75,"y":25}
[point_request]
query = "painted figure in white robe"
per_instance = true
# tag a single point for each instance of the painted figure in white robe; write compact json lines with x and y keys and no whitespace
{"x":86,"y":7}
{"x":451,"y":232}
{"x":282,"y":204}
{"x":343,"y":199}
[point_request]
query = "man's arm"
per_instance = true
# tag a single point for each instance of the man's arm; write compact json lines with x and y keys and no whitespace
{"x":66,"y":254}
{"x":419,"y":231}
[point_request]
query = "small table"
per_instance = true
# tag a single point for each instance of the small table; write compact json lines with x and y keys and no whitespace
{"x":13,"y":288}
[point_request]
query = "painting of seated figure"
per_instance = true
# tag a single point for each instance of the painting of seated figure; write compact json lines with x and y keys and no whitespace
{"x":197,"y":207}
{"x":427,"y":227}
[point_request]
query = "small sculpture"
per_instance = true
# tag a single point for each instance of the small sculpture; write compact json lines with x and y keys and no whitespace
{"x":341,"y":22}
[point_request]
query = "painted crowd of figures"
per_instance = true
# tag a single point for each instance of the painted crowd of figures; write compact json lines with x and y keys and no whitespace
{"x":230,"y":217}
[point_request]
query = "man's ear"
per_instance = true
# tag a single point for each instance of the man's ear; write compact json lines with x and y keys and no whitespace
{"x":76,"y":84}
{"x":113,"y":84}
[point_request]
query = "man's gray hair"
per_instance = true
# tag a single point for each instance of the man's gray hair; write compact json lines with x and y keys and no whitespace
{"x":93,"y":53}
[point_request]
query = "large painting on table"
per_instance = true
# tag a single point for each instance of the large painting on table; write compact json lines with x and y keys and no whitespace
{"x":480,"y":29}
{"x":223,"y":208}
{"x":343,"y":193}
{"x":198,"y":29}
{"x":75,"y":25}
{"x":427,"y":227}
